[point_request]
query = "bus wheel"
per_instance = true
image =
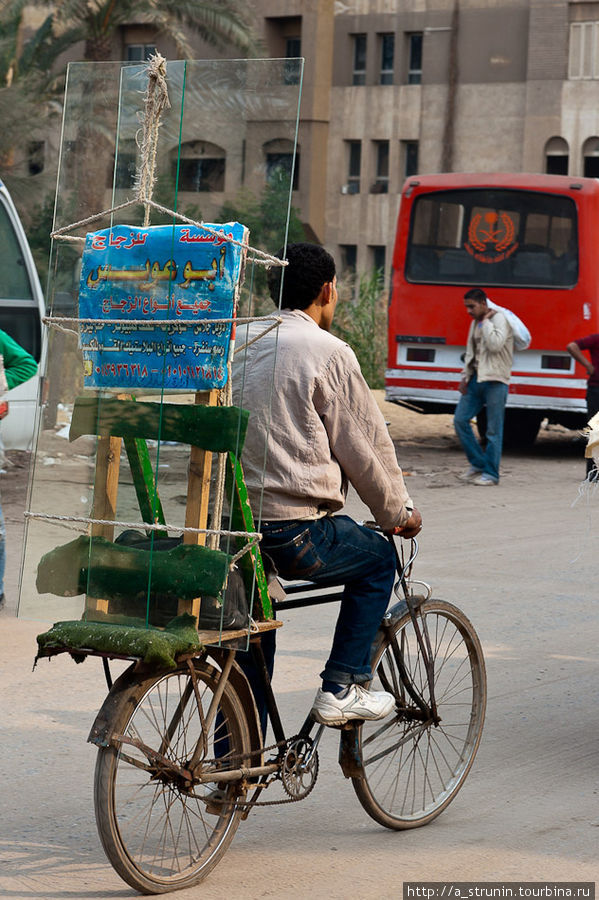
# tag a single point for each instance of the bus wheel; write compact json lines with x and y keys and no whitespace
{"x":520,"y":428}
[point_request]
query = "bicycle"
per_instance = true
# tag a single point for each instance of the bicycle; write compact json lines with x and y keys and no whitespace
{"x":181,"y":760}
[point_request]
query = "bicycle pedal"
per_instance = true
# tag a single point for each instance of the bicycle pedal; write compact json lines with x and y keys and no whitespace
{"x":216,"y":801}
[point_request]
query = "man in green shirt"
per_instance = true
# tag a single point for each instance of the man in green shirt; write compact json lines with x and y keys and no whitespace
{"x":16,"y":366}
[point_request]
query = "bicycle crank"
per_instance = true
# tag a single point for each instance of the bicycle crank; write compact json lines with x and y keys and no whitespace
{"x":299,"y":768}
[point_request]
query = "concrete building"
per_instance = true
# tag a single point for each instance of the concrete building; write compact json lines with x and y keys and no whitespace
{"x":421,"y":86}
{"x":393,"y":88}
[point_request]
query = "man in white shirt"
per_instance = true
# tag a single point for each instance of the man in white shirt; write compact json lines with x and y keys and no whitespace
{"x":313,"y":426}
{"x":484,"y":383}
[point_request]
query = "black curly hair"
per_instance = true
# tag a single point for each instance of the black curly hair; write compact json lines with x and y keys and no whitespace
{"x":476,"y":294}
{"x":310,"y":267}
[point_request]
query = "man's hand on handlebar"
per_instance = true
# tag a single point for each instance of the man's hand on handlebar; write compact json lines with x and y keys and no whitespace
{"x":412,"y":526}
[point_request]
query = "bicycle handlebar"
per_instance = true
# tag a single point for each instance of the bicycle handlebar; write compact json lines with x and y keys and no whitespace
{"x":389,"y":532}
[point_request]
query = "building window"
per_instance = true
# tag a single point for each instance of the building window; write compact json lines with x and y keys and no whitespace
{"x":359,"y":72}
{"x":584,"y":50}
{"x":415,"y":57}
{"x":381,"y":182}
{"x":409,"y":158}
{"x":377,"y":256}
{"x":124,"y":166}
{"x":349,"y":257}
{"x":354,"y":164}
{"x":201,"y":167}
{"x":590,"y":157}
{"x":36,"y":152}
{"x":69,"y":157}
{"x":202,"y":175}
{"x":556,"y":156}
{"x":387,"y":58}
{"x":139,"y":52}
{"x":291,"y":69}
{"x":278,"y":160}
{"x":279,"y":167}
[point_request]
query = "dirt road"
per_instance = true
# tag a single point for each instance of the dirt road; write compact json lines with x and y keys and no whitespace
{"x":521,"y":559}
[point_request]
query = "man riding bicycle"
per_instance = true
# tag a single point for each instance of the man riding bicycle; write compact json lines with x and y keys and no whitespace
{"x":314,"y":426}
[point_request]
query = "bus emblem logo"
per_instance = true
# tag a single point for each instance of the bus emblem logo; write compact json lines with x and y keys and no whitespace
{"x":491,"y":237}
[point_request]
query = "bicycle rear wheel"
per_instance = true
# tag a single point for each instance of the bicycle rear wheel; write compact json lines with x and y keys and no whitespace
{"x":160,"y":832}
{"x":413,"y":768}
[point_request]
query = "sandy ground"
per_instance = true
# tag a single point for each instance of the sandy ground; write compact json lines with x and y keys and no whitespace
{"x":520,"y":559}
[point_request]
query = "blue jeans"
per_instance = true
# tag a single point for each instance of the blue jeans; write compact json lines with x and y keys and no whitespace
{"x":335,"y":550}
{"x":331,"y":551}
{"x":492,"y":395}
{"x":2,"y":551}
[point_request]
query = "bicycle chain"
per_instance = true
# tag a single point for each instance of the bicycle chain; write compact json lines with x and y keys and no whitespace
{"x":248,"y":804}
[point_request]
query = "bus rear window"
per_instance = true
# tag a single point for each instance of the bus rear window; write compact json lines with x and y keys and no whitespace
{"x":493,"y":237}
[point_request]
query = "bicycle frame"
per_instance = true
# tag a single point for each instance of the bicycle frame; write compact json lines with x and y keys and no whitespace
{"x":315,"y":597}
{"x":312,"y":595}
{"x":183,"y":750}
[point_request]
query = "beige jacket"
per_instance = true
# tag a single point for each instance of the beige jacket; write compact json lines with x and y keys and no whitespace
{"x":496,"y":351}
{"x":313,"y":426}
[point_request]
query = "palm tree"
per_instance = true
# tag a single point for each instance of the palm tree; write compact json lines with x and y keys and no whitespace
{"x":25,"y":90}
{"x":96,"y":22}
{"x":31,"y":82}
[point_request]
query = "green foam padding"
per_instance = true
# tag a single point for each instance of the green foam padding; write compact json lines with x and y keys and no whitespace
{"x":154,"y":646}
{"x":100,"y":568}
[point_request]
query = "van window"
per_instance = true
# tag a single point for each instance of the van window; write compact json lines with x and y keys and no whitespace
{"x":23,"y":325}
{"x":14,"y":280}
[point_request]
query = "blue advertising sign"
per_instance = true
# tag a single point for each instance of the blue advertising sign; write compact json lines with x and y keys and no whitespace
{"x":160,"y":288}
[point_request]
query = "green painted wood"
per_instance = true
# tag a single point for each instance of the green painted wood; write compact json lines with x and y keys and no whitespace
{"x":143,"y":480}
{"x":242,"y":519}
{"x":216,"y":428}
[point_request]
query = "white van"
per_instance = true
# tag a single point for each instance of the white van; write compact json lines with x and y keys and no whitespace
{"x":21,"y":311}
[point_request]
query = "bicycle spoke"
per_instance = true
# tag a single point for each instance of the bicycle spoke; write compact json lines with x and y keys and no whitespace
{"x":155,"y":827}
{"x":413,"y":768}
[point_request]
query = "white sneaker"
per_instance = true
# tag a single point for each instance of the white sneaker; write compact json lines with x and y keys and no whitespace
{"x":483,"y":480}
{"x":469,"y":473}
{"x":354,"y":703}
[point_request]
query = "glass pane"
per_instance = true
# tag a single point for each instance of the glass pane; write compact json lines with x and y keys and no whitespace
{"x":382,"y":158}
{"x":359,"y":73}
{"x":387,"y":55}
{"x":415,"y":63}
{"x":494,"y":237}
{"x":124,"y":508}
{"x":355,"y":158}
{"x":415,"y":52}
{"x":359,"y":52}
{"x":411,"y":158}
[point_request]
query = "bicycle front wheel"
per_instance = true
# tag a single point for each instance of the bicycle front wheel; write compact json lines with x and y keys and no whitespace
{"x":160,"y":830}
{"x":414,"y":765}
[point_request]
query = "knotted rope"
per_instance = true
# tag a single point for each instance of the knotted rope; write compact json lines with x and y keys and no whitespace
{"x":155,"y":101}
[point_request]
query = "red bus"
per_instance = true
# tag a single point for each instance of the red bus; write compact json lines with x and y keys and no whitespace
{"x":530,"y":241}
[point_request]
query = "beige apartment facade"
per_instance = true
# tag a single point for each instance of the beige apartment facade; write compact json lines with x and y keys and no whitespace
{"x":431,"y":86}
{"x":396,"y":88}
{"x":422,"y":86}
